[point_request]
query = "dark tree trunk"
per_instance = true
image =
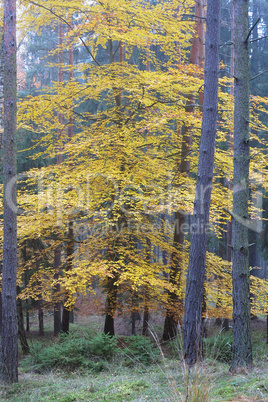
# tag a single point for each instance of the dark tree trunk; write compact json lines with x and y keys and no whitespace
{"x":175,"y":304}
{"x":134,"y":312}
{"x":146,"y":316}
{"x":21,"y":331}
{"x":110,"y":305}
{"x":40,"y":301}
{"x":27,"y":321}
{"x":57,"y":305}
{"x":9,"y":347}
{"x":41,"y":318}
{"x":174,"y":310}
{"x":242,"y":345}
{"x":225,"y":324}
{"x":69,"y":264}
{"x":196,"y":271}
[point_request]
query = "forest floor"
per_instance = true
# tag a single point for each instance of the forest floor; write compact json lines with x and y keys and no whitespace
{"x":166,"y":379}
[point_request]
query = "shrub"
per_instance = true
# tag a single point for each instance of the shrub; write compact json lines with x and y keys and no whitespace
{"x":72,"y":351}
{"x":140,"y":349}
{"x":103,"y":345}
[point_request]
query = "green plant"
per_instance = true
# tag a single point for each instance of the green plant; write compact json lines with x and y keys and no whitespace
{"x":139,"y":349}
{"x":102,"y":345}
{"x":72,"y":351}
{"x":219,"y":347}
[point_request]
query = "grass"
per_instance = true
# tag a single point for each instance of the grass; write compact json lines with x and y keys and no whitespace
{"x":166,"y":379}
{"x":159,"y":382}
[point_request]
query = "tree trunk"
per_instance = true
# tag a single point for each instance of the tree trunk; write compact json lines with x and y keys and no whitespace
{"x":21,"y":330}
{"x":174,"y":311}
{"x":41,"y":318}
{"x":111,"y":281}
{"x":196,"y":271}
{"x":1,"y":83}
{"x":110,"y":305}
{"x":27,"y":321}
{"x":242,"y":347}
{"x":9,"y":347}
{"x":57,"y":305}
{"x":67,"y":315}
{"x":69,"y":264}
{"x":146,"y":315}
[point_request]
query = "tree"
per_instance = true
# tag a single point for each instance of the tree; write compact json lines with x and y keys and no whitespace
{"x":196,"y":270}
{"x":9,"y":348}
{"x":174,"y":311}
{"x":242,"y":346}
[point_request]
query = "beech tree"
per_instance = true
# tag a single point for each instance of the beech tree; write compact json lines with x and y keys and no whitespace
{"x":196,"y":270}
{"x":9,"y":347}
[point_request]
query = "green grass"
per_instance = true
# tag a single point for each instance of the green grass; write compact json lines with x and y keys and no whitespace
{"x":164,"y":379}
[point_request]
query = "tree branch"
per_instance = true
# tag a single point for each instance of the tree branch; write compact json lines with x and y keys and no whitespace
{"x":69,"y":25}
{"x":251,"y":29}
{"x":262,"y":37}
{"x":258,"y":75}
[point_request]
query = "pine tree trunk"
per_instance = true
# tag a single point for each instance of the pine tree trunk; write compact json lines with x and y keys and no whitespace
{"x":242,"y":346}
{"x":196,"y":271}
{"x":9,"y":347}
{"x":1,"y":84}
{"x":174,"y":310}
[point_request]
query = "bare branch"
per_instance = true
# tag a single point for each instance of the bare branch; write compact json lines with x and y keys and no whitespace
{"x":258,"y":75}
{"x":251,"y":29}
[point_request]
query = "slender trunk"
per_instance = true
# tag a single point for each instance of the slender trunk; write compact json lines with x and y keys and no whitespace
{"x":196,"y":271}
{"x":134,"y":312}
{"x":69,"y":264}
{"x":27,"y":321}
{"x":21,"y":331}
{"x":174,"y":312}
{"x":67,"y":314}
{"x":26,"y":281}
{"x":9,"y":345}
{"x":57,"y":255}
{"x":146,"y":316}
{"x":57,"y":304}
{"x":242,"y":345}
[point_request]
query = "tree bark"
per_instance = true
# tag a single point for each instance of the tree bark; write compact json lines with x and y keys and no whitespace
{"x":21,"y":331}
{"x":196,"y":271}
{"x":174,"y":311}
{"x":111,"y":305}
{"x":9,"y":347}
{"x":69,"y":264}
{"x":242,"y":346}
{"x":57,"y":304}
